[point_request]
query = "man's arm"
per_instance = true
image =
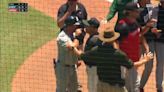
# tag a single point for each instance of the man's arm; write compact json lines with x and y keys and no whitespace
{"x":62,"y":15}
{"x":152,"y":23}
{"x":148,"y":26}
{"x":61,"y":21}
{"x":113,"y":10}
{"x":146,"y":58}
{"x":128,"y":63}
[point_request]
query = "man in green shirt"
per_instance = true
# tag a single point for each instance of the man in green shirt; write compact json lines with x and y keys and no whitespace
{"x":109,"y":62}
{"x":117,"y":7}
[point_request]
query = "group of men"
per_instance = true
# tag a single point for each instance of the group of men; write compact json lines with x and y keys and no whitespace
{"x":112,"y":57}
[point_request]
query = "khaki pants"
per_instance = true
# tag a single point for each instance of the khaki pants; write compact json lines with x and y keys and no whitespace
{"x":92,"y":78}
{"x":105,"y":87}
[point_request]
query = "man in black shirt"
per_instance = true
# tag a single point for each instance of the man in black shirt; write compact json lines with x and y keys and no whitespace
{"x":91,"y":26}
{"x":70,"y":8}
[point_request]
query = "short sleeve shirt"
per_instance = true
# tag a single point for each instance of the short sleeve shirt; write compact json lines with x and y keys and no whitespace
{"x":109,"y":62}
{"x":65,"y":56}
{"x":80,"y":12}
{"x":130,"y":38}
{"x":91,"y":42}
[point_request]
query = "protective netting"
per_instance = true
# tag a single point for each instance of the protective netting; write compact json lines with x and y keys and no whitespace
{"x":28,"y":45}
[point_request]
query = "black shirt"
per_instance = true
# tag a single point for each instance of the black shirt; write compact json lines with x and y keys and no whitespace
{"x":81,"y":13}
{"x":108,"y":61}
{"x":92,"y":41}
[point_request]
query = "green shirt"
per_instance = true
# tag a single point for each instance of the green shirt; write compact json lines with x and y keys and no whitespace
{"x":108,"y":61}
{"x":117,"y":7}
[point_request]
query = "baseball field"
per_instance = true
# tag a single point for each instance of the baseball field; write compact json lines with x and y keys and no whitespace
{"x":28,"y":45}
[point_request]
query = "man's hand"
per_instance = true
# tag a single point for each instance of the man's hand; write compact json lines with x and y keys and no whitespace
{"x":151,"y":23}
{"x":104,"y":21}
{"x":72,"y":7}
{"x":69,"y":46}
{"x":144,"y":58}
{"x":78,"y":32}
{"x":79,"y":64}
{"x":148,"y":56}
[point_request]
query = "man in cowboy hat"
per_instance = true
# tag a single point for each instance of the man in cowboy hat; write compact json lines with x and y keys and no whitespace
{"x":109,"y":61}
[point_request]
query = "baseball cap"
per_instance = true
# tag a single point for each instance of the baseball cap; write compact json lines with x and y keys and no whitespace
{"x":133,"y":6}
{"x":92,"y":22}
{"x":72,"y":20}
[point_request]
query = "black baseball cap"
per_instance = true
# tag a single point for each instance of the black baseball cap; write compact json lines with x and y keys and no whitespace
{"x":133,"y":6}
{"x":72,"y":20}
{"x":92,"y":22}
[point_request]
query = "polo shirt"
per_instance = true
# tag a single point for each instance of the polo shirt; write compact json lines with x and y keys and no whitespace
{"x":81,"y":12}
{"x":108,"y":61}
{"x":92,"y":41}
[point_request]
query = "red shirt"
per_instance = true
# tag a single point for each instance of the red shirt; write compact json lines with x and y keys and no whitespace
{"x":131,"y":43}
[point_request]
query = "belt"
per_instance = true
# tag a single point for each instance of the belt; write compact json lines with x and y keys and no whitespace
{"x":114,"y":84}
{"x":117,"y":85}
{"x":69,"y":65}
{"x":66,"y":65}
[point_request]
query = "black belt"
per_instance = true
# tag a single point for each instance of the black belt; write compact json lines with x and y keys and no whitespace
{"x":114,"y":84}
{"x":117,"y":85}
{"x":58,"y":61}
{"x":69,"y":65}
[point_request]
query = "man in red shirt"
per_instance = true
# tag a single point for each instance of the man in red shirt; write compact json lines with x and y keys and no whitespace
{"x":129,"y":42}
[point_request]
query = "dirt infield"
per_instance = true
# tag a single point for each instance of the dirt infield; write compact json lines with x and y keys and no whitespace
{"x":37,"y":72}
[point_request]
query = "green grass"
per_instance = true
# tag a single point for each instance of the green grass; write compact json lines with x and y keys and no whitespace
{"x":20,"y":35}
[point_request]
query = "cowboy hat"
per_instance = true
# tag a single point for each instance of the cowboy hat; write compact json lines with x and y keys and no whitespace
{"x":108,"y":36}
